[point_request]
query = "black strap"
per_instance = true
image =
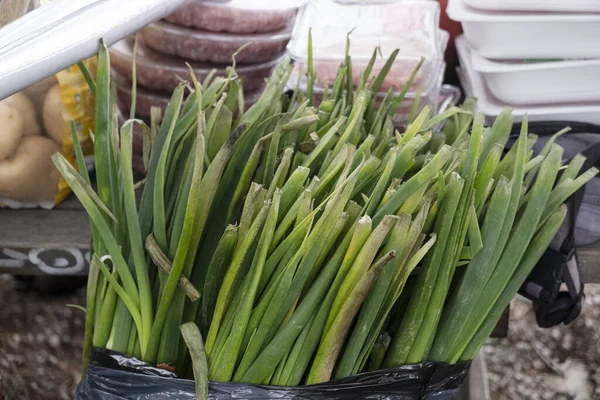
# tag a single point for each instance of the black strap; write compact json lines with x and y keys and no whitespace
{"x":551,"y":305}
{"x":558,"y":265}
{"x":549,"y":128}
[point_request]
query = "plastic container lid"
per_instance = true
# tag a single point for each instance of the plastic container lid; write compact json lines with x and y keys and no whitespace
{"x":162,"y":72}
{"x":473,"y":83}
{"x":536,"y":5}
{"x":199,"y":45}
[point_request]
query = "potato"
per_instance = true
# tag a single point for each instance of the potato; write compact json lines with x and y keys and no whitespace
{"x":22,"y":103}
{"x":29,"y":174}
{"x":37,"y":93}
{"x":54,"y":108}
{"x":11,"y":130}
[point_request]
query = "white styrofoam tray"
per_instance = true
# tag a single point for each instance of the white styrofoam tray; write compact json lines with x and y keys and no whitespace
{"x":474,"y":86}
{"x":516,"y":82}
{"x":536,"y":5}
{"x":504,"y":35}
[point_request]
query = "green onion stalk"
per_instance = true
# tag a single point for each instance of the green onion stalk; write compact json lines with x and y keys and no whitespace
{"x":300,"y":241}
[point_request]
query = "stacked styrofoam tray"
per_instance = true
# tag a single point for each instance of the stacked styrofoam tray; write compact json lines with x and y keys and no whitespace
{"x":474,"y":85}
{"x":536,"y":5}
{"x":505,"y":35}
{"x":539,"y":56}
{"x":520,"y":83}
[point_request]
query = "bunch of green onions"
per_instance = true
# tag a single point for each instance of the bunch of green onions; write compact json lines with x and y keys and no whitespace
{"x":309,"y":242}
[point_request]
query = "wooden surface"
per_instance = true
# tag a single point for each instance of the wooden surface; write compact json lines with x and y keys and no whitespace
{"x":36,"y":242}
{"x":66,"y":225}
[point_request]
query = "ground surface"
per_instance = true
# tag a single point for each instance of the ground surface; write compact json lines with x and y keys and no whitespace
{"x":542,"y":364}
{"x":41,"y":338}
{"x":40,"y":344}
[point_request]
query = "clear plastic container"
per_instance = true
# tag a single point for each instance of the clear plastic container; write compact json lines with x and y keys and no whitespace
{"x":520,"y":82}
{"x":411,"y":26}
{"x":427,"y":78}
{"x":147,"y":98}
{"x":236,"y":16}
{"x":439,"y":100}
{"x":161,"y":72}
{"x":474,"y":85}
{"x":431,"y":97}
{"x":517,"y":35}
{"x":199,"y":45}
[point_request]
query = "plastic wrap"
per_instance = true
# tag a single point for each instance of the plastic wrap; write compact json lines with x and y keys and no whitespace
{"x":35,"y":125}
{"x":162,"y":72}
{"x":113,"y":376}
{"x":236,"y":16}
{"x":215,"y":47}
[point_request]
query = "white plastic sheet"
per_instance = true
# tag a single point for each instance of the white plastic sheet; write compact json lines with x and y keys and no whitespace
{"x":56,"y":36}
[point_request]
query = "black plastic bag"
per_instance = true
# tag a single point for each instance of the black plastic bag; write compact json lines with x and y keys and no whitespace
{"x":113,"y":376}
